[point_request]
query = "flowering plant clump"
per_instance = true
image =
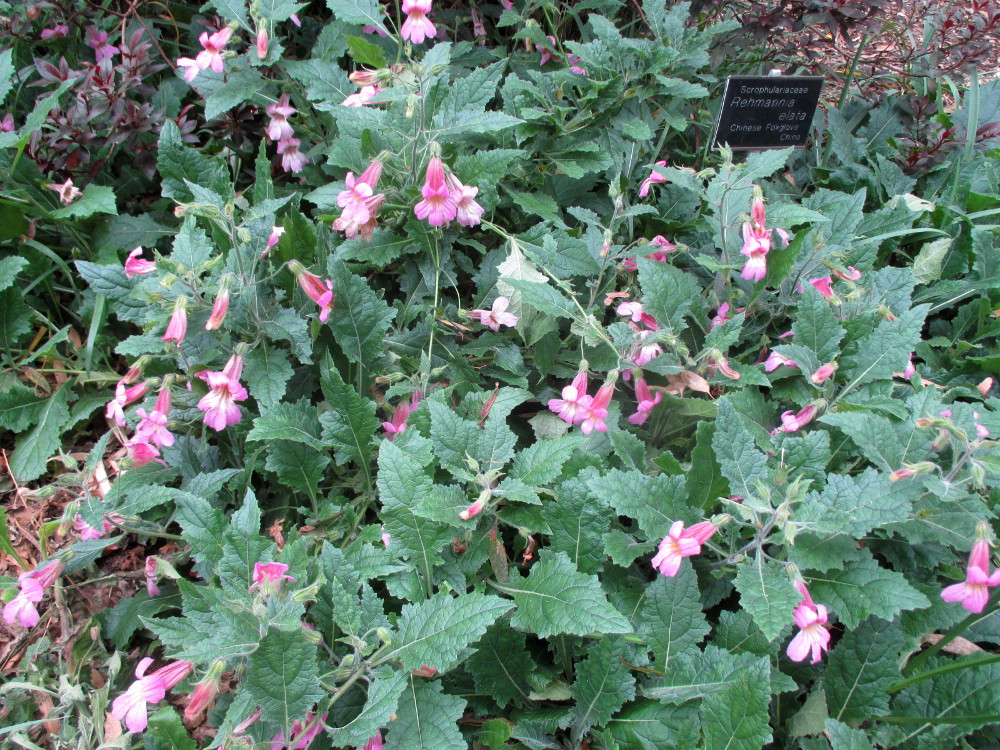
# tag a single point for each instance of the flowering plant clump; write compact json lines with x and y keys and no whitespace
{"x":416,"y":375}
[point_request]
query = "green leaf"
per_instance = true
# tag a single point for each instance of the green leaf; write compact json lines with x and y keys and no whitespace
{"x":191,"y":247}
{"x":204,"y":529}
{"x":12,"y":265}
{"x":501,"y":665}
{"x":211,"y":627}
{"x":655,"y":502}
{"x":325,"y":80}
{"x":603,"y":685}
{"x":855,"y":505}
{"x":122,"y":620}
{"x":34,"y":449}
{"x":96,"y":199}
{"x":360,"y":319}
{"x":449,"y":125}
{"x":6,"y":74}
{"x":543,"y":297}
{"x":705,"y":482}
{"x":286,"y":325}
{"x":557,"y":598}
{"x":361,"y":12}
{"x":885,"y":350}
{"x":737,"y":717}
{"x":283,"y":676}
{"x":815,"y":326}
{"x":742,"y":463}
{"x":862,"y":666}
{"x":380,"y":705}
{"x":364,"y":52}
{"x":669,"y":294}
{"x":427,"y":719}
{"x":671,"y":620}
{"x":454,"y":439}
{"x":927,"y":265}
{"x":20,"y":408}
{"x":15,"y":319}
{"x":435,"y":631}
{"x":862,"y":589}
{"x":266,"y":371}
{"x":470,"y":92}
{"x":767,"y":594}
{"x":651,"y":725}
{"x":578,"y":525}
{"x":177,"y":163}
{"x":166,"y":731}
{"x":234,"y":10}
{"x":699,"y":674}
{"x":873,"y":434}
{"x":279,"y":10}
{"x":351,"y":424}
{"x":842,"y":737}
{"x":289,"y":421}
{"x":542,"y":461}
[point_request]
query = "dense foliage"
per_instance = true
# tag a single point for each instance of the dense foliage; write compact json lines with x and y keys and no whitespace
{"x":432,"y":383}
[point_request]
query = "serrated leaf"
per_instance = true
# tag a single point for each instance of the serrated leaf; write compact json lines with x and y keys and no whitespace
{"x":11,"y":266}
{"x":655,"y":502}
{"x":737,"y":717}
{"x":929,"y":261}
{"x":325,"y":80}
{"x":501,"y":665}
{"x":885,"y":350}
{"x":862,"y":589}
{"x":266,"y":372}
{"x":873,"y":434}
{"x":557,"y":598}
{"x":191,"y":246}
{"x":855,"y":505}
{"x":699,"y":674}
{"x":362,"y":12}
{"x":20,"y":408}
{"x":469,"y":93}
{"x":577,"y":526}
{"x":6,"y":73}
{"x":381,"y":703}
{"x":815,"y":326}
{"x":427,"y":719}
{"x":671,"y":619}
{"x":360,"y":319}
{"x":541,"y":462}
{"x":350,"y":426}
{"x":296,"y":422}
{"x":435,"y":631}
{"x":669,"y":294}
{"x":15,"y":319}
{"x":544,"y":298}
{"x":650,"y":725}
{"x":862,"y":666}
{"x":450,"y":125}
{"x":96,"y":199}
{"x":35,"y":448}
{"x":283,"y":676}
{"x":166,"y":731}
{"x":122,"y":620}
{"x":286,"y":325}
{"x":705,"y":482}
{"x":177,"y":163}
{"x":603,"y":685}
{"x":767,"y":594}
{"x":741,"y":462}
{"x":204,"y":529}
{"x":210,"y":628}
{"x":842,"y":737}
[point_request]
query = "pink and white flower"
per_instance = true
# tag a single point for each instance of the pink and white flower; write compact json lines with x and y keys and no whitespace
{"x":147,"y":689}
{"x":794,"y":421}
{"x":646,"y":401}
{"x":851,"y":274}
{"x":823,"y":286}
{"x":813,"y":636}
{"x":823,"y":373}
{"x":269,"y":576}
{"x":594,"y":410}
{"x":32,"y":587}
{"x":319,"y":291}
{"x":354,"y":200}
{"x":417,"y":25}
{"x":136,"y":266}
{"x":67,"y":192}
{"x":439,"y":206}
{"x":304,"y":731}
{"x":776,"y":360}
{"x":152,"y":427}
{"x":632,"y":310}
{"x":653,"y":179}
{"x":213,"y":45}
{"x":98,"y":41}
{"x":362,"y":97}
{"x":569,"y":408}
{"x":219,"y":404}
{"x":974,"y":592}
{"x":721,"y":316}
{"x":680,"y":543}
{"x":278,"y":128}
{"x":123,"y":397}
{"x":220,"y":307}
{"x":374,"y":743}
{"x":177,"y":327}
{"x":756,"y":242}
{"x":496,"y":316}
{"x":468,"y":212}
{"x":292,"y":160}
{"x":150,"y":571}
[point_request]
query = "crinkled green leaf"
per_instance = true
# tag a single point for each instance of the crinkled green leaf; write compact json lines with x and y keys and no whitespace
{"x":671,"y":620}
{"x":296,"y":422}
{"x":36,"y":447}
{"x":350,"y":425}
{"x":855,"y":505}
{"x":577,"y":524}
{"x":211,"y":628}
{"x":266,"y":371}
{"x":361,"y":12}
{"x":360,"y":319}
{"x":654,"y":501}
{"x":427,"y":719}
{"x":742,"y":463}
{"x":886,"y":349}
{"x":283,"y":676}
{"x":96,"y":199}
{"x":767,"y":594}
{"x":815,"y":326}
{"x":542,"y":461}
{"x":842,"y":737}
{"x":557,"y":598}
{"x":381,"y":703}
{"x":603,"y":685}
{"x":669,"y":294}
{"x":650,"y":725}
{"x":737,"y":717}
{"x":862,"y":666}
{"x":177,"y":162}
{"x":501,"y":665}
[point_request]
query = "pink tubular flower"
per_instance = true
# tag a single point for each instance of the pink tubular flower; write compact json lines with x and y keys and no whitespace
{"x":85,"y":530}
{"x":646,"y":401}
{"x":678,"y":544}
{"x":653,"y":179}
{"x":813,"y":636}
{"x":569,"y":408}
{"x":468,"y":212}
{"x":219,"y":308}
{"x":98,"y":41}
{"x":478,"y":28}
{"x":400,"y":415}
{"x":123,"y":397}
{"x":909,"y":371}
{"x":726,"y":369}
{"x":303,"y":732}
{"x":67,"y":192}
{"x":417,"y":25}
{"x":219,"y":404}
{"x":211,"y":55}
{"x":147,"y":689}
{"x":153,"y":426}
{"x":851,"y":274}
{"x":360,"y":99}
{"x":981,"y":431}
{"x":32,"y":590}
{"x":262,"y":43}
{"x":974,"y":591}
{"x":320,"y":292}
{"x":823,"y":287}
{"x":273,"y":239}
{"x":495,"y":317}
{"x":292,"y":160}
{"x":143,"y":453}
{"x":205,"y":691}
{"x":269,"y":576}
{"x":776,"y":360}
{"x":177,"y":327}
{"x":756,"y":242}
{"x":152,"y":562}
{"x":135,"y":265}
{"x":793,"y":422}
{"x":477,"y":507}
{"x":354,"y":200}
{"x":646,"y":353}
{"x":721,"y":316}
{"x":60,"y":29}
{"x":548,"y":54}
{"x":595,"y":410}
{"x":278,"y":128}
{"x":631,"y":310}
{"x":439,"y":206}
{"x":188,"y":68}
{"x":375,"y":743}
{"x":7,"y":123}
{"x":823,"y":373}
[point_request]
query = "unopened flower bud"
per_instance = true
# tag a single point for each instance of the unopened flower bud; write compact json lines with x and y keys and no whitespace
{"x":384,"y":635}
